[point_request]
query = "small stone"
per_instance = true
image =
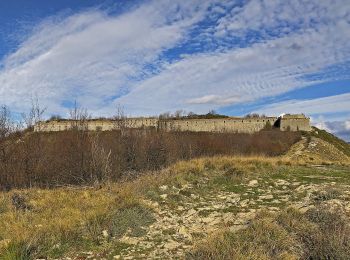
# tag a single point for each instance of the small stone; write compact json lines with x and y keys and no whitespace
{"x":191,"y":212}
{"x":180,"y":208}
{"x":253,"y":183}
{"x":163,"y":188}
{"x":244,"y":203}
{"x":266,"y":197}
{"x":105,"y":233}
{"x":171,"y":245}
{"x":164,"y":196}
{"x":193,"y":196}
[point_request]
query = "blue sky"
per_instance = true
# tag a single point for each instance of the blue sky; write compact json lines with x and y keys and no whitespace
{"x":151,"y":57}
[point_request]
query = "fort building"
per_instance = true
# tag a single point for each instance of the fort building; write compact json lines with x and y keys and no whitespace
{"x":288,"y":122}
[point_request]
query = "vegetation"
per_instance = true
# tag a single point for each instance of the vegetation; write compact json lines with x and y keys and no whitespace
{"x":97,"y":218}
{"x":316,"y":234}
{"x":84,"y":158}
{"x":152,"y":194}
{"x":324,"y":135}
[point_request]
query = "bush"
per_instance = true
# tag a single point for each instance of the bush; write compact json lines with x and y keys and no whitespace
{"x":133,"y":218}
{"x":317,"y":234}
{"x":86,"y":158}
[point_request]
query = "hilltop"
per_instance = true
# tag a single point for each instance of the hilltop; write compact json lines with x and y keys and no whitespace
{"x":291,"y":204}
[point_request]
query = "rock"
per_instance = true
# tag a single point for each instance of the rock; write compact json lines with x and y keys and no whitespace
{"x":171,"y":245}
{"x":164,"y":196}
{"x":4,"y":243}
{"x":129,"y":240}
{"x":116,"y":257}
{"x":244,"y":203}
{"x":191,"y":212}
{"x":105,"y":233}
{"x":180,"y":208}
{"x":266,"y":197}
{"x":281,"y":183}
{"x":184,"y":232}
{"x":276,"y":201}
{"x":253,"y":183}
{"x":163,"y":188}
{"x":193,"y":196}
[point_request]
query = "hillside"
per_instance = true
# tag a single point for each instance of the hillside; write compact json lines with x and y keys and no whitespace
{"x":170,"y":214}
{"x":319,"y":145}
{"x":292,"y":206}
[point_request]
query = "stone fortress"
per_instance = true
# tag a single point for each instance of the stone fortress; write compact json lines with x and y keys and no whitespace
{"x":287,"y":122}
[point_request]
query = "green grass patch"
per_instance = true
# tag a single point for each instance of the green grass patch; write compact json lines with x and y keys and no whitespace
{"x":134,"y":219}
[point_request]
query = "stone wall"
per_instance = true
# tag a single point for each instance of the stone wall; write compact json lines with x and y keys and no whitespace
{"x":95,"y":125}
{"x":232,"y":125}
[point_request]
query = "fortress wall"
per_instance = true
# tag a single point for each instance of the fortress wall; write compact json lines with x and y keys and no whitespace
{"x":295,"y":124}
{"x":232,"y":125}
{"x":95,"y":125}
{"x":141,"y":122}
{"x":217,"y":125}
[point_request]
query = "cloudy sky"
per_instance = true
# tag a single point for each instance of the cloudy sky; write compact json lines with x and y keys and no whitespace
{"x":236,"y":57}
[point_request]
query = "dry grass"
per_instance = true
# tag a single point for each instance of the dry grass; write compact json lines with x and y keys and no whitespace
{"x":62,"y":221}
{"x":317,"y":234}
{"x":50,"y":222}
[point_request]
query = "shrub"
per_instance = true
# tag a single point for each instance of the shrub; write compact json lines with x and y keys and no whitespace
{"x":133,"y":219}
{"x":317,"y":234}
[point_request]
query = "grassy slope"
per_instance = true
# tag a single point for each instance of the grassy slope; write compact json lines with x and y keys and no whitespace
{"x":337,"y":142}
{"x":63,"y":222}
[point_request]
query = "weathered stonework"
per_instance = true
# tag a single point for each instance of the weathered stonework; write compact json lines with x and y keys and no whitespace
{"x":230,"y":124}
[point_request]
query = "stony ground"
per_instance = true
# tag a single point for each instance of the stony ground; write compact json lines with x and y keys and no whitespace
{"x":185,"y":215}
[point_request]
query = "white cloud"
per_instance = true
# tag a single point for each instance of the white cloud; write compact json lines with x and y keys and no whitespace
{"x":213,"y":80}
{"x":92,"y":56}
{"x":339,"y":128}
{"x":324,"y":105}
{"x":96,"y":58}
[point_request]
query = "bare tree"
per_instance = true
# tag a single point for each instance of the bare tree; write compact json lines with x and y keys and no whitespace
{"x":165,"y":115}
{"x":121,"y":121}
{"x":179,"y":113}
{"x":6,"y":124}
{"x":212,"y":112}
{"x":79,"y":117}
{"x":34,"y":116}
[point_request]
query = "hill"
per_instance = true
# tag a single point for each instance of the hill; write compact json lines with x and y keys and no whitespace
{"x":291,"y":204}
{"x":209,"y":208}
{"x":319,"y":145}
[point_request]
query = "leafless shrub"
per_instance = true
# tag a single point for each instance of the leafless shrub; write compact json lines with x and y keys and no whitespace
{"x":6,"y":124}
{"x":35,"y":113}
{"x":82,"y":157}
{"x":100,"y":161}
{"x":79,"y":117}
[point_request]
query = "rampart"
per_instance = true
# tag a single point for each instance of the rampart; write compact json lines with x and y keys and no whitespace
{"x":229,"y":124}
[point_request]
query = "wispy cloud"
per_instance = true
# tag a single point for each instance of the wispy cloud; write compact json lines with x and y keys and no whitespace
{"x":92,"y":56}
{"x":168,"y":55}
{"x":331,"y":104}
{"x":339,"y":128}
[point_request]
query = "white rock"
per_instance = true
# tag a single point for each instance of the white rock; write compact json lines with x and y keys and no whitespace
{"x":163,"y":188}
{"x":164,"y":196}
{"x":105,"y":233}
{"x":253,"y":183}
{"x":266,"y":197}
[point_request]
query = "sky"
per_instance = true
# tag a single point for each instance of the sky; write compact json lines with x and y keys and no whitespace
{"x":232,"y":56}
